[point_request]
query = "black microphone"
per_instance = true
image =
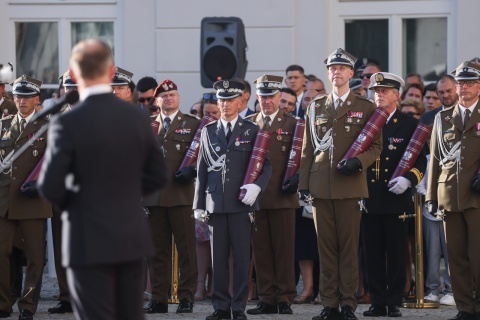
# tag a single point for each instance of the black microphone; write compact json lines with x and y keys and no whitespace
{"x":71,"y":97}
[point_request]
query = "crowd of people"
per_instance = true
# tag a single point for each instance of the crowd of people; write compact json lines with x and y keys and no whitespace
{"x":335,"y":222}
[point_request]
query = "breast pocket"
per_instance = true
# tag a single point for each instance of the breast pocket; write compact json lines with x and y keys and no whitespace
{"x":5,"y":147}
{"x":352,"y":126}
{"x":182,"y":142}
{"x":449,"y":137}
{"x":246,"y":151}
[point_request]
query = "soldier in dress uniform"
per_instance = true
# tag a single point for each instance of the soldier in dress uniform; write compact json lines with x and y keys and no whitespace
{"x":454,"y":184}
{"x":384,"y":233}
{"x":63,"y":305}
{"x":273,"y":242}
{"x":225,"y":150}
{"x":122,"y":84}
{"x":6,"y":106}
{"x":170,"y":210}
{"x":29,"y":214}
{"x":332,"y":125}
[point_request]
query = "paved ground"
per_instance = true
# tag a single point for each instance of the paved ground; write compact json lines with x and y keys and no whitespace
{"x":203,"y":308}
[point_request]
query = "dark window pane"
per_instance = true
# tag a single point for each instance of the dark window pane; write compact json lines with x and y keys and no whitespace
{"x":37,"y":50}
{"x":368,"y":38}
{"x":425,"y":45}
{"x":85,"y":30}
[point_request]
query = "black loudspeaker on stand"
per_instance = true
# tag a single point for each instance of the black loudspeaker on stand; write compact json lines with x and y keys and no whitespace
{"x":223,"y":50}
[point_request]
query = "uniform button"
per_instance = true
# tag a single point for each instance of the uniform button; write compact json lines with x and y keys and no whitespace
{"x":373,"y":169}
{"x":387,"y":158}
{"x":228,"y":150}
{"x":334,"y":134}
{"x":228,"y":160}
{"x":463,"y":158}
{"x":464,"y":137}
{"x":334,"y":120}
{"x":373,"y":181}
{"x":13,"y":178}
{"x":386,"y":170}
{"x":227,"y":179}
{"x":15,"y":168}
{"x":386,"y":181}
{"x":165,"y":140}
{"x":228,"y":170}
{"x":463,"y":147}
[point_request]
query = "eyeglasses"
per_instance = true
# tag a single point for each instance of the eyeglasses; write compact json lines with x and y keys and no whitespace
{"x":469,"y":83}
{"x":368,"y":75}
{"x":210,"y":96}
{"x":291,"y":104}
{"x":142,"y":100}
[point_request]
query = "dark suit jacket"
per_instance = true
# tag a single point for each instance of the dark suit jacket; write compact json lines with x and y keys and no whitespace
{"x":429,"y":117}
{"x":108,"y":146}
{"x":396,"y":136}
{"x":249,"y":112}
{"x":210,"y":195}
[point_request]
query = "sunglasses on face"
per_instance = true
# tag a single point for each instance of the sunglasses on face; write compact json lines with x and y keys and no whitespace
{"x":210,"y":96}
{"x":413,"y":114}
{"x":142,"y":100}
{"x":368,"y":75}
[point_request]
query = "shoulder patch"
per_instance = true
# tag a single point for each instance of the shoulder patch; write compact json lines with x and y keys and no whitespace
{"x":319,"y":97}
{"x":191,"y":116}
{"x":289,"y":115}
{"x":251,"y":116}
{"x":211,"y":123}
{"x":10,"y":116}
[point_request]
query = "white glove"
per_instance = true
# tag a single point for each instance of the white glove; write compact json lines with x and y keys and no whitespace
{"x":421,"y":189}
{"x":252,"y":193}
{"x":198,"y":214}
{"x":399,"y":185}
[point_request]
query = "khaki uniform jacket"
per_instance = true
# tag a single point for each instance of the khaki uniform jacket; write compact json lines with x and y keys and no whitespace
{"x":282,"y":129}
{"x":12,"y":201}
{"x":175,"y":143}
{"x":450,"y":188}
{"x":318,"y":173}
{"x":9,"y":105}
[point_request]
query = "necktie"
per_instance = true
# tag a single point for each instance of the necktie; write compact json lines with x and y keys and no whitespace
{"x":339,"y":103}
{"x":466,"y":117}
{"x":266,"y":123}
{"x":229,"y":131}
{"x":22,"y":124}
{"x":166,"y":123}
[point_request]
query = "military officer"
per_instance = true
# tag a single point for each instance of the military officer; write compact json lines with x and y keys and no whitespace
{"x":333,"y":123}
{"x":225,"y":150}
{"x":6,"y":106}
{"x":454,"y":161}
{"x":384,"y":234}
{"x":273,"y":242}
{"x":122,"y":84}
{"x":63,"y":305}
{"x":29,"y":214}
{"x":171,"y":208}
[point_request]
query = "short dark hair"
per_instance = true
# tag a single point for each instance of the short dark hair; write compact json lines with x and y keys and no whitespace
{"x":146,"y":83}
{"x":289,"y":91}
{"x":430,"y":87}
{"x":248,"y":87}
{"x":295,"y":67}
{"x":411,"y":85}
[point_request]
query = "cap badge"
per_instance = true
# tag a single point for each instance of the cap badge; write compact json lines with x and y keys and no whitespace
{"x":165,"y":86}
{"x":24,"y":77}
{"x":338,"y":55}
{"x":465,"y":69}
{"x":225,"y":84}
{"x":379,"y":77}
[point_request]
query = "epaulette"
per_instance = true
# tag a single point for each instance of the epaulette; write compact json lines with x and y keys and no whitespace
{"x":251,"y":116}
{"x":319,"y":97}
{"x":250,"y":121}
{"x":210,"y":123}
{"x":365,"y":98}
{"x":191,"y":116}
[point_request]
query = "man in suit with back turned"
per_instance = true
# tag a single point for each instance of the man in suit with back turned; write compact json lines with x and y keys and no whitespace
{"x":97,"y":178}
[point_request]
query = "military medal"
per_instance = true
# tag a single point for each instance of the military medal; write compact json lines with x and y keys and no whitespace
{"x":237,"y":143}
{"x":347,"y":128}
{"x":217,"y":148}
{"x":279,"y":137}
{"x":390,"y":146}
{"x":35,"y":152}
{"x":284,"y":148}
{"x":178,"y":147}
{"x":349,"y":103}
{"x":279,"y":119}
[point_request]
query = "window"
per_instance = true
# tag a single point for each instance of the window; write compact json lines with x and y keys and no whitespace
{"x":368,"y":39}
{"x":425,"y":47}
{"x":85,"y":30}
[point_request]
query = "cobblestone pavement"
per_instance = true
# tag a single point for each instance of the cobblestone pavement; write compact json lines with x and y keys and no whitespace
{"x":204,"y":308}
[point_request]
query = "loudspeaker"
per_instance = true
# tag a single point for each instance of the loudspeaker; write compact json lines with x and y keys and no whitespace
{"x":223,"y":50}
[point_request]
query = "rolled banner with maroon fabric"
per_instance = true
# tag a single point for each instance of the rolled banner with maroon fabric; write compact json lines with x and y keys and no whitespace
{"x":413,"y":149}
{"x":368,"y":133}
{"x":255,"y":165}
{"x":295,"y":151}
{"x":34,"y":174}
{"x":192,"y":152}
{"x":155,"y":126}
